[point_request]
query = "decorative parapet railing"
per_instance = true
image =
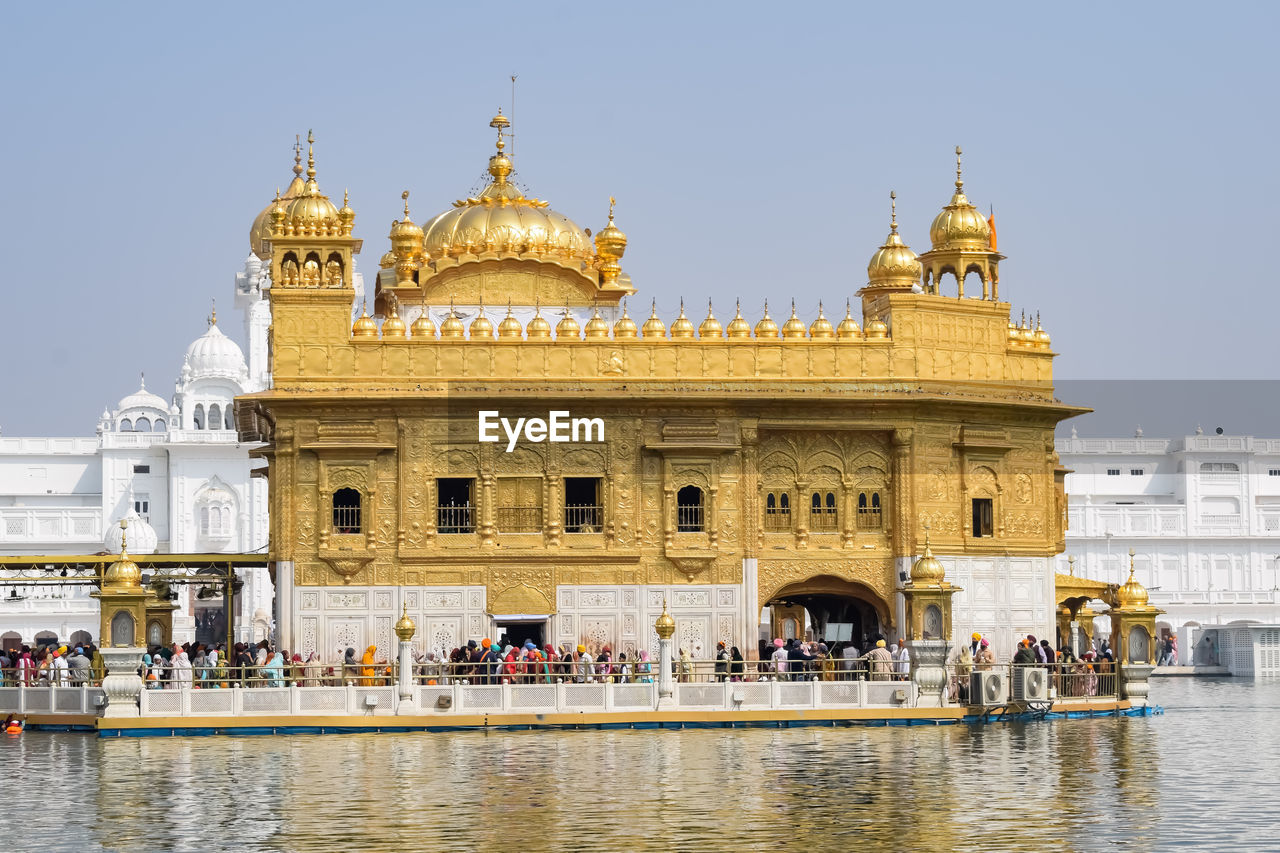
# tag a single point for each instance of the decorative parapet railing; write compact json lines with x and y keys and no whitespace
{"x":52,"y":700}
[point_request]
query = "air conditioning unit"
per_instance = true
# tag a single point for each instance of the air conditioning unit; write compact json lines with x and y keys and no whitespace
{"x":988,"y":687}
{"x":1030,"y":684}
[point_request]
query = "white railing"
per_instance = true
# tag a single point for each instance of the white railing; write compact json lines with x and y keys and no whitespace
{"x":51,"y":700}
{"x":41,"y":524}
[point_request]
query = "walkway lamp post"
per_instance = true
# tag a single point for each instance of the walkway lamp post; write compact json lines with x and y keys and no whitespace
{"x":405,"y":630}
{"x":665,"y":627}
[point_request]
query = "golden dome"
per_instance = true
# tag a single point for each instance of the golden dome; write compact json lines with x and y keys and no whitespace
{"x":1014,"y":334}
{"x":260,"y":231}
{"x":405,"y":628}
{"x":960,"y":225}
{"x":1041,"y":336}
{"x":682,"y":326}
{"x":611,"y":244}
{"x":538,"y":329}
{"x":653,"y":327}
{"x":364,"y":326}
{"x":387,"y":261}
{"x":346,"y":214}
{"x":509,"y":328}
{"x":738,"y":326}
{"x":877,"y":328}
{"x":422,"y":326}
{"x":794,"y":327}
{"x":848,"y":328}
{"x":406,"y":235}
{"x":927,"y":569}
{"x":1132,"y":594}
{"x":312,"y":208}
{"x":766,"y":328}
{"x":481,"y":327}
{"x":894,"y":265}
{"x":821,"y":327}
{"x":568,"y":328}
{"x":665,"y":626}
{"x":502,"y":219}
{"x":1025,"y":333}
{"x":123,"y":573}
{"x":625,"y":327}
{"x":597,"y":327}
{"x":393,"y":326}
{"x":710,"y":327}
{"x":452,"y":326}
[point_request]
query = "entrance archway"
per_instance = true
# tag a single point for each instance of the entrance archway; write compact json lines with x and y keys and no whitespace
{"x":834,"y":610}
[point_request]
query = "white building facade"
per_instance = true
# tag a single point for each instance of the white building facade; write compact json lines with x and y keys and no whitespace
{"x":1201,"y":513}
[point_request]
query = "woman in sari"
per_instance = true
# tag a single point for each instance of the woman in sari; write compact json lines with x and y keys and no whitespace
{"x":311,"y":671}
{"x":367,"y":670}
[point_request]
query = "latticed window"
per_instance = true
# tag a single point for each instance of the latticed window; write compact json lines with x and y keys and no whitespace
{"x":869,"y":517}
{"x":346,"y":511}
{"x":519,"y":507}
{"x":822,"y":511}
{"x":777,"y":511}
{"x":690,"y":510}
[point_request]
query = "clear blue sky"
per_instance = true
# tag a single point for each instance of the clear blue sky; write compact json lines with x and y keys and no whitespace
{"x":1129,"y":151}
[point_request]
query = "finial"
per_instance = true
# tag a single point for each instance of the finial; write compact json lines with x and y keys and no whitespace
{"x":213,"y":315}
{"x":1037,"y":321}
{"x":311,"y":156}
{"x":297,"y":156}
{"x":819,"y":307}
{"x":346,"y":198}
{"x":142,"y":381}
{"x":124,"y":539}
{"x":959,"y":177}
{"x":848,"y":307}
{"x":893,"y":211}
{"x":737,"y":306}
{"x":405,"y":195}
{"x":653,"y":310}
{"x":1022,"y":324}
{"x":612,"y":202}
{"x":708,"y":306}
{"x":624,"y":306}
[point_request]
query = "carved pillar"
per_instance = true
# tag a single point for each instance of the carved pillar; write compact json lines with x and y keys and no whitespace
{"x":986,"y":285}
{"x":903,"y":531}
{"x":488,"y":530}
{"x":554,"y":511}
{"x":800,"y":506}
{"x":751,"y":502}
{"x":711,"y":522}
{"x":847,"y":513}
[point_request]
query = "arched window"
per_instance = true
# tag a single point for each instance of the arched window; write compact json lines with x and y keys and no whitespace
{"x":690,"y":510}
{"x":777,"y":511}
{"x":198,"y":416}
{"x":126,"y":425}
{"x":142,"y":425}
{"x":226,"y":521}
{"x":346,"y":511}
{"x":822,"y":511}
{"x":158,"y":426}
{"x":869,"y":511}
{"x":215,"y":417}
{"x":204,"y":521}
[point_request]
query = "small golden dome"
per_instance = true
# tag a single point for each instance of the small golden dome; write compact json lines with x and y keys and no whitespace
{"x":848,"y":328}
{"x":1025,"y":333}
{"x":568,"y":329}
{"x":894,"y":265}
{"x":393,"y":326}
{"x":1041,"y":336}
{"x":1132,"y":594}
{"x":364,"y":326}
{"x":682,"y":326}
{"x":653,"y":327}
{"x":388,"y":261}
{"x":597,"y":327}
{"x":877,"y":329}
{"x":509,"y":328}
{"x":665,"y":626}
{"x":738,"y":326}
{"x":538,"y":329}
{"x":821,"y":327}
{"x":710,"y":327}
{"x":960,"y":225}
{"x":311,"y":208}
{"x":123,"y":573}
{"x":406,"y":235}
{"x":405,"y":628}
{"x":1014,"y":334}
{"x":422,"y":326}
{"x":794,"y":327}
{"x":625,"y":327}
{"x":611,"y":243}
{"x":481,"y":327}
{"x":345,"y":213}
{"x":452,"y":327}
{"x":927,"y":569}
{"x":766,"y":328}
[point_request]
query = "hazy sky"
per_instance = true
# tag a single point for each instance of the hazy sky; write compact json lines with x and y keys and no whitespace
{"x":1129,"y":151}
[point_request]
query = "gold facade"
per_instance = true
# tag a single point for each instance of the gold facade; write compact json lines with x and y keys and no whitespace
{"x":931,"y":403}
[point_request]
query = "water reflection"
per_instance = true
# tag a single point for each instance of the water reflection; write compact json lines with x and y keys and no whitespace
{"x":1147,"y":784}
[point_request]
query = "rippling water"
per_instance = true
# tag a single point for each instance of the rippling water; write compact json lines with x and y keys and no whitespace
{"x":1202,"y":776}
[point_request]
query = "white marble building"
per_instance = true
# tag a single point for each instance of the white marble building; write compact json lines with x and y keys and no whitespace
{"x":1201,"y":512}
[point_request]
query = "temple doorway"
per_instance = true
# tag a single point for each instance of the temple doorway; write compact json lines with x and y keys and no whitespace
{"x":824,"y":609}
{"x":517,"y":632}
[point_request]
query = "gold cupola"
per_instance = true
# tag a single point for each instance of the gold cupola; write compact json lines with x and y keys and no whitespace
{"x":738,"y":326}
{"x":894,"y":266}
{"x":346,"y":215}
{"x":1041,"y":336}
{"x":848,"y":329}
{"x":538,"y":329}
{"x":509,"y":328}
{"x":393,"y":326}
{"x":260,"y":231}
{"x":452,"y":327}
{"x":1014,"y":333}
{"x":311,"y":212}
{"x":364,"y":326}
{"x":821,"y":327}
{"x":960,"y":225}
{"x":568,"y":329}
{"x":682,"y":326}
{"x":877,"y":329}
{"x":710,"y":327}
{"x":422,"y":326}
{"x":611,"y":244}
{"x":481,"y":328}
{"x":654,"y":327}
{"x":794,"y":327}
{"x":597,"y":327}
{"x":1131,"y":594}
{"x":405,"y":627}
{"x":123,"y":573}
{"x":766,"y":328}
{"x":1026,"y":335}
{"x":406,"y":246}
{"x":927,"y":569}
{"x":664,"y":626}
{"x":625,"y":328}
{"x":961,"y":243}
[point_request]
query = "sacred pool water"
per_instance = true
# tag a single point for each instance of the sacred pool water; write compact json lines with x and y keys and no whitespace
{"x":1198,"y":777}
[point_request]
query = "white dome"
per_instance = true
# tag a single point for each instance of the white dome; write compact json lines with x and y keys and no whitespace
{"x":142,"y":399}
{"x":142,"y":536}
{"x":213,"y":354}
